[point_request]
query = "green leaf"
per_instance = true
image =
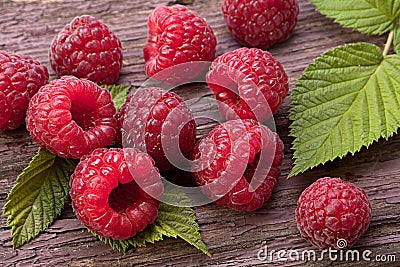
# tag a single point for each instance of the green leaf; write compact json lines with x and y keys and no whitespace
{"x":396,"y":40}
{"x":151,"y":234}
{"x":118,"y":93}
{"x":172,"y":221}
{"x":180,"y":221}
{"x":366,"y":16}
{"x":346,"y":99}
{"x":38,"y":196}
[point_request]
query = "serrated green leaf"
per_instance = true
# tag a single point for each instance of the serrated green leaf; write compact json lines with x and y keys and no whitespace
{"x":346,"y":99}
{"x":172,"y":221}
{"x":118,"y":93}
{"x":366,"y":16}
{"x":151,"y":234}
{"x":38,"y":196}
{"x":181,"y":222}
{"x":396,"y":39}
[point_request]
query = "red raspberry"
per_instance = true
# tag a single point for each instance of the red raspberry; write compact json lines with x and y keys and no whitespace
{"x":177,"y":35}
{"x":157,"y":122}
{"x":247,"y":80}
{"x":237,"y":164}
{"x":112,"y":189}
{"x":260,"y":23}
{"x":71,"y":117}
{"x":20,"y":78}
{"x":332,"y":213}
{"x":86,"y":48}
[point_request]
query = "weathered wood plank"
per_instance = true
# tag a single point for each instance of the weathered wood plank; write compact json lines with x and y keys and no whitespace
{"x":234,"y":238}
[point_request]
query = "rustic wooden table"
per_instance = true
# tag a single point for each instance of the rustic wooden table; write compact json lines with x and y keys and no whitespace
{"x":233,"y":238}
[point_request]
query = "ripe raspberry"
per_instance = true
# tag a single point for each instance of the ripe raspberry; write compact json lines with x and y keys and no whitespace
{"x":260,"y":23}
{"x":332,"y":213}
{"x":20,"y":78}
{"x":157,"y":122}
{"x":177,"y":35}
{"x":237,"y":164}
{"x":112,"y":189}
{"x":71,"y":117}
{"x":86,"y":48}
{"x":245,"y":81}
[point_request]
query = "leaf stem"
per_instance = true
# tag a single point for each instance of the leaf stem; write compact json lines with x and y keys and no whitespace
{"x":388,"y":43}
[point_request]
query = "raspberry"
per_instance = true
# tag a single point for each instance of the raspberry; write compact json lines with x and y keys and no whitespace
{"x":237,"y":164}
{"x":332,"y":213}
{"x":20,"y":78}
{"x":86,"y":48}
{"x":177,"y":35}
{"x":71,"y":117}
{"x":112,"y":189}
{"x":157,"y":122}
{"x":260,"y":23}
{"x":245,"y":81}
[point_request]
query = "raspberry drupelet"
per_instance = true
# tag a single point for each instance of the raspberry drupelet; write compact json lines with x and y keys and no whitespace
{"x":332,"y":213}
{"x":260,"y":23}
{"x":248,"y":83}
{"x":87,"y":48}
{"x":177,"y":35}
{"x":20,"y":78}
{"x":158,"y":122}
{"x":71,"y":117}
{"x":237,"y":164}
{"x":115,"y":192}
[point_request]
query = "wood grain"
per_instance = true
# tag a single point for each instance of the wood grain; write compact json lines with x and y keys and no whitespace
{"x":234,"y":238}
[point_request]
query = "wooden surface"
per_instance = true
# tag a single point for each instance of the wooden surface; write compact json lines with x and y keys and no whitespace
{"x":233,"y":238}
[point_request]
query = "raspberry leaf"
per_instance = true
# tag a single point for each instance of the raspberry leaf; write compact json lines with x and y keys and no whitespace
{"x":180,"y":221}
{"x":366,"y":16}
{"x":396,"y":40}
{"x":346,"y":99}
{"x":38,"y":196}
{"x":172,"y":221}
{"x":118,"y":93}
{"x":151,"y":234}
